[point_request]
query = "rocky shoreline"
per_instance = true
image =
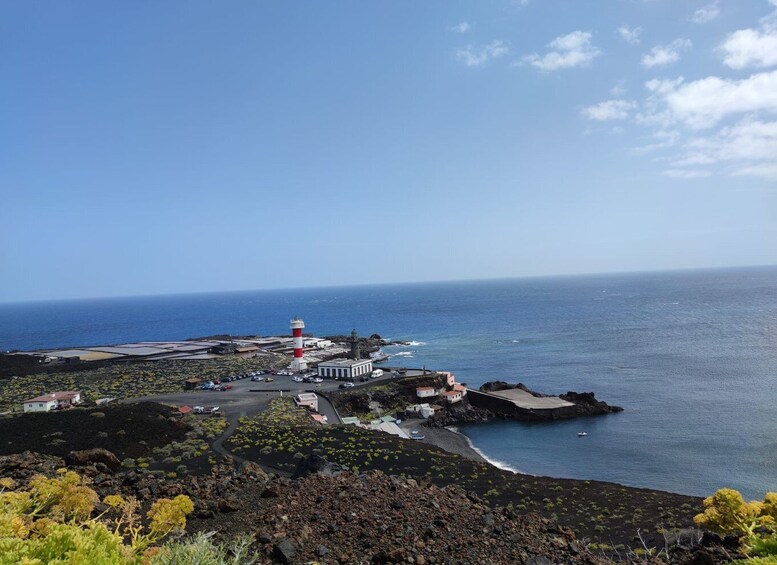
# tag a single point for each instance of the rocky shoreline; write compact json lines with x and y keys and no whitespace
{"x":482,"y":408}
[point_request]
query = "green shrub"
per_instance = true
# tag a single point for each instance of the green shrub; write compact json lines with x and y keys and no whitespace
{"x":201,"y":550}
{"x":50,"y":522}
{"x":726,"y":512}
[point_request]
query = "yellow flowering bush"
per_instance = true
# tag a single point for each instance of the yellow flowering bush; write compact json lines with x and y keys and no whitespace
{"x":726,"y":512}
{"x":51,"y":522}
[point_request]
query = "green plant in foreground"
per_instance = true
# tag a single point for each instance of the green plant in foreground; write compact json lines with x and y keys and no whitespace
{"x":201,"y":550}
{"x":50,"y":522}
{"x":727,"y":513}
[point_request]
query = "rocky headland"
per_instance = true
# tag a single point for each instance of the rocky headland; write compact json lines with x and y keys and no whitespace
{"x":487,"y":407}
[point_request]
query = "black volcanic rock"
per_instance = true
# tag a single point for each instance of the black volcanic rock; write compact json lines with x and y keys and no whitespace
{"x":95,"y":455}
{"x":588,"y":405}
{"x":316,"y":465}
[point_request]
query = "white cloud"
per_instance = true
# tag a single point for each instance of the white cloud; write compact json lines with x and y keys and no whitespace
{"x":747,"y":140}
{"x":619,"y":89}
{"x":687,"y":173}
{"x":750,"y":48}
{"x":664,"y":139}
{"x":474,"y":56}
{"x":707,"y":13}
{"x":766,"y":171}
{"x":630,"y":35}
{"x":665,"y":54}
{"x":609,"y":110}
{"x":461,"y":27}
{"x":749,"y":146}
{"x":567,"y":51}
{"x":703,"y":103}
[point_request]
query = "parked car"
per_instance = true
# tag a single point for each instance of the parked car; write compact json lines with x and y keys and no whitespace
{"x":227,"y":387}
{"x":215,"y":409}
{"x":318,"y":380}
{"x":257,"y":379}
{"x":269,"y":379}
{"x":198,"y":409}
{"x":298,"y":379}
{"x":415,"y":434}
{"x":348,"y":385}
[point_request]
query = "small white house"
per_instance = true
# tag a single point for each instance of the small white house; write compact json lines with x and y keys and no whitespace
{"x":52,"y":401}
{"x":452,"y":396}
{"x":423,"y":410}
{"x":450,"y":379}
{"x":425,"y":392}
{"x":307,"y":400}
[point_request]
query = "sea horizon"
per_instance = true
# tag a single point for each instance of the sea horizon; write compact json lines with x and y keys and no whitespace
{"x":390,"y":284}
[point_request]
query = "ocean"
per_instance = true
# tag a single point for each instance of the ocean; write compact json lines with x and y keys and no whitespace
{"x":691,"y":356}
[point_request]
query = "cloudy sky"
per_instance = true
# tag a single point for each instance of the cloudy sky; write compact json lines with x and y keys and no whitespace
{"x":197,"y":146}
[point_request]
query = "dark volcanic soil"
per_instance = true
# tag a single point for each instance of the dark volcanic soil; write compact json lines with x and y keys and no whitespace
{"x":603,"y":512}
{"x":128,"y":430}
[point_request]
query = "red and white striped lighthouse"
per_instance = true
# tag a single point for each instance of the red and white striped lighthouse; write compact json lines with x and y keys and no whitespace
{"x":299,"y":363}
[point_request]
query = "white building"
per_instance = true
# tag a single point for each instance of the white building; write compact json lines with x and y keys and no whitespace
{"x":307,"y":400}
{"x":317,"y":342}
{"x":425,"y":392}
{"x":51,"y":401}
{"x":345,"y":368}
{"x":424,"y":410}
{"x":453,"y":396}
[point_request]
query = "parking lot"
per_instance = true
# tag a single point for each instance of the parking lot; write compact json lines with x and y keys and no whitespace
{"x":247,"y":398}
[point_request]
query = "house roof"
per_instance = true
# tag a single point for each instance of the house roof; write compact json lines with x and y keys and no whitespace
{"x":60,"y":395}
{"x":343,"y":363}
{"x":424,"y":388}
{"x":452,"y":393}
{"x":457,"y":386}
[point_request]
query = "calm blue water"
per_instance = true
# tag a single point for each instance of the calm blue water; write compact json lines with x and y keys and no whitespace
{"x":692,"y":356}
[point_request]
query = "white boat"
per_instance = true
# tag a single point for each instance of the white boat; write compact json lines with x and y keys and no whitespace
{"x":582,"y":434}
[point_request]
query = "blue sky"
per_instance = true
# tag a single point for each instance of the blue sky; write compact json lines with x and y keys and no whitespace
{"x":164,"y":147}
